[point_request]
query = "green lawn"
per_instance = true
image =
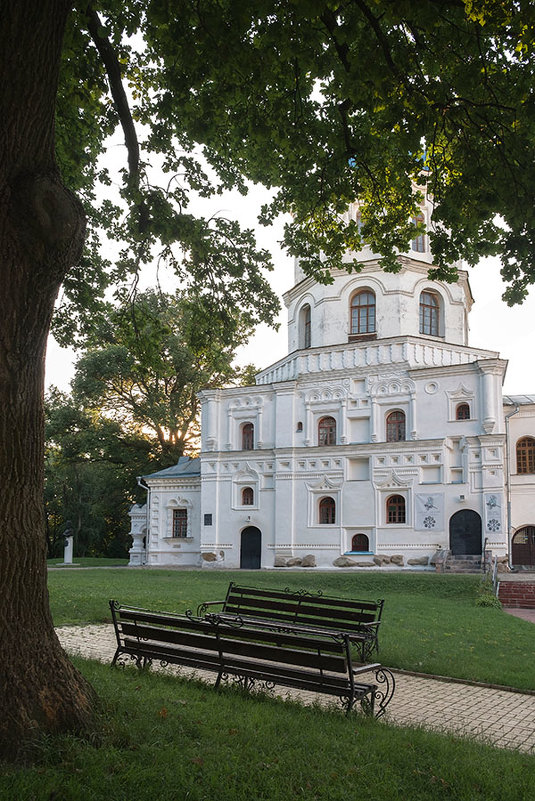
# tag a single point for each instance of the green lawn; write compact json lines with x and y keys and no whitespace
{"x":167,"y":739}
{"x":430,"y":622}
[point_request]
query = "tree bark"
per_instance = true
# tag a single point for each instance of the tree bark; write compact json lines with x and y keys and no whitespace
{"x":41,"y":234}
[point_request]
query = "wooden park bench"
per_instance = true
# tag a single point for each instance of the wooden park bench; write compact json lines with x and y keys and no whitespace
{"x":255,"y":657}
{"x":358,"y":619}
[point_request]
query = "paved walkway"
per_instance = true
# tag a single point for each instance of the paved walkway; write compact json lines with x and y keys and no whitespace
{"x":499,"y":717}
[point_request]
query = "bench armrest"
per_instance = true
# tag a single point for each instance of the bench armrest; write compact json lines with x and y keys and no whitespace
{"x":201,"y":609}
{"x":366,"y":668}
{"x":370,"y":624}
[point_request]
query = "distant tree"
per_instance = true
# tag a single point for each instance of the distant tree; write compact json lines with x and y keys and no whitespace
{"x":148,"y":361}
{"x":90,"y":462}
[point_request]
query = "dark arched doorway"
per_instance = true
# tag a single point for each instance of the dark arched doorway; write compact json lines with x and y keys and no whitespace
{"x":523,"y":547}
{"x":251,"y":548}
{"x":465,"y":533}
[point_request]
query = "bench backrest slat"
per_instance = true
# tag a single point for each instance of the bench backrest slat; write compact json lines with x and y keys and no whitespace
{"x":180,"y":635}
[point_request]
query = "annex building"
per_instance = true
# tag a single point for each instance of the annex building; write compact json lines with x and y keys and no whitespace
{"x":382,"y":438}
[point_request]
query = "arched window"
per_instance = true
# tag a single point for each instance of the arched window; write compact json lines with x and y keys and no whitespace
{"x":180,"y":522}
{"x":359,"y":221}
{"x":306,"y":322}
{"x":327,"y":431}
{"x":418,"y":243}
{"x":395,"y":509}
{"x":360,"y":542}
{"x":395,"y":427}
{"x":247,"y":437}
{"x":363,"y":312}
{"x":247,"y":496}
{"x":429,"y":314}
{"x":462,"y":412}
{"x":327,"y":511}
{"x":525,"y":455}
{"x":299,"y":426}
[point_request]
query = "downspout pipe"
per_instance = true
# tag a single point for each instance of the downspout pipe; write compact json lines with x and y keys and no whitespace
{"x":144,"y":486}
{"x":508,"y":484}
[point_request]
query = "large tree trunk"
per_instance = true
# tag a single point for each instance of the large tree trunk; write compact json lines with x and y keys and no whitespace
{"x":41,"y":233}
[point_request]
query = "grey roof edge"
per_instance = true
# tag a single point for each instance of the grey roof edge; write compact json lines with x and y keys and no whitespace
{"x":186,"y":466}
{"x":518,"y":400}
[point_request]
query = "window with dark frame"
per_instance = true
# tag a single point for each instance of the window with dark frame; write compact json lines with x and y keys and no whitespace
{"x":525,"y":455}
{"x":429,"y":314}
{"x":327,"y":431}
{"x":395,"y":427}
{"x":363,"y":313}
{"x":360,"y":542}
{"x":327,"y":511}
{"x":247,"y":496}
{"x":180,"y":523}
{"x":462,"y":412}
{"x":395,"y":509}
{"x":247,"y":437}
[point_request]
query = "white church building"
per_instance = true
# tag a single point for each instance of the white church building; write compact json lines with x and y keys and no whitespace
{"x":381,"y":440}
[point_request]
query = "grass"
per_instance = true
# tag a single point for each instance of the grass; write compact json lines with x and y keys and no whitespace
{"x":431,"y":623}
{"x":163,"y":738}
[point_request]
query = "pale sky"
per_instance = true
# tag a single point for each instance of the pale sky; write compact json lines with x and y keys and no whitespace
{"x":493,"y":325}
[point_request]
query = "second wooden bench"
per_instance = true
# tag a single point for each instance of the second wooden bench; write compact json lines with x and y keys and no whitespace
{"x":358,"y":619}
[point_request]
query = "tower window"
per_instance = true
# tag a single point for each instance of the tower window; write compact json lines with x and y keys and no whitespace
{"x":418,"y":243}
{"x":429,"y":314}
{"x":525,"y":455}
{"x":327,"y":511}
{"x":247,"y":437}
{"x":306,"y":323}
{"x":395,"y":509}
{"x":462,"y":412}
{"x":363,"y":312}
{"x":395,"y":427}
{"x":327,"y":431}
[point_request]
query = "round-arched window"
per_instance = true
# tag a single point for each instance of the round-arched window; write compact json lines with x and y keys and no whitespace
{"x":247,"y":496}
{"x":360,"y":542}
{"x":429,"y":314}
{"x":362,"y":312}
{"x":525,"y":455}
{"x":327,"y":511}
{"x":462,"y":412}
{"x":395,"y":426}
{"x":395,"y":509}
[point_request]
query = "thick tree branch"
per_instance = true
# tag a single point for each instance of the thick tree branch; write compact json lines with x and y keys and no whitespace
{"x":113,"y":71}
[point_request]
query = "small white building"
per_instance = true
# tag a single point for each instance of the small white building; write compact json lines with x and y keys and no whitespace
{"x":381,"y":439}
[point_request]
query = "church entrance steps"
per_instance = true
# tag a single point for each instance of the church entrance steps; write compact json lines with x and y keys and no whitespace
{"x":517,"y":594}
{"x":462,"y":563}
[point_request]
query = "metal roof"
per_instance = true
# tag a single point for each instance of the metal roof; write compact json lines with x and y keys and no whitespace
{"x":184,"y":467}
{"x":518,"y":400}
